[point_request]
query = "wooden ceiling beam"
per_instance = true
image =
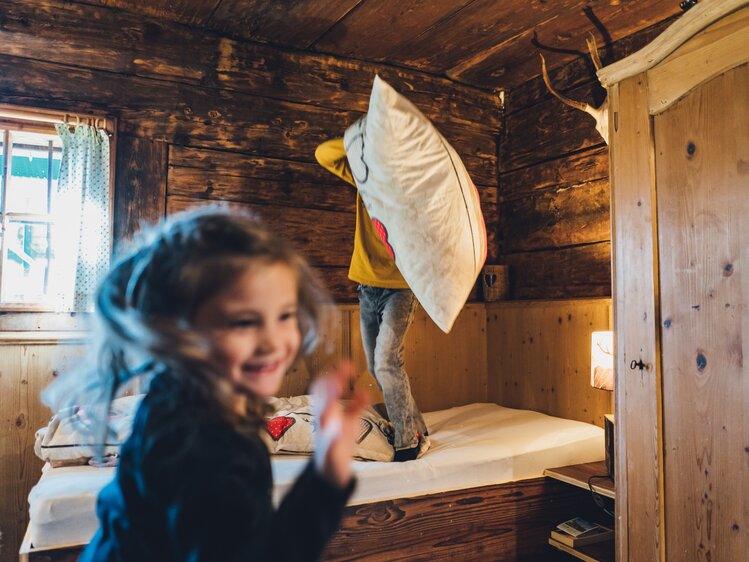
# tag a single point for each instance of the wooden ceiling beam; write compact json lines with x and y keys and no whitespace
{"x":298,"y":24}
{"x":479,"y":26}
{"x":382,"y":27}
{"x":189,"y":12}
{"x":561,"y":39}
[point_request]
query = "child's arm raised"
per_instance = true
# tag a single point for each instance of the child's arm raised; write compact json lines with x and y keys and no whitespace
{"x":331,"y":155}
{"x":339,"y":425}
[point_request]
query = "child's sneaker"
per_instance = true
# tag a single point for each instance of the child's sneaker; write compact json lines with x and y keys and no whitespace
{"x":413,"y":453}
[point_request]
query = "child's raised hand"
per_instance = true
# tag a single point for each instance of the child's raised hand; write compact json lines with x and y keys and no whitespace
{"x":339,"y":425}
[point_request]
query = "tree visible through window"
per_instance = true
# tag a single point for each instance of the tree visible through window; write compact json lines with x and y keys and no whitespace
{"x":55,"y":236}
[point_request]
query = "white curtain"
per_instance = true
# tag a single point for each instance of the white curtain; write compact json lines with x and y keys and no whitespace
{"x":81,"y":213}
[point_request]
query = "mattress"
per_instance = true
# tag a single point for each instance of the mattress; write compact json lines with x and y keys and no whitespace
{"x":473,"y":445}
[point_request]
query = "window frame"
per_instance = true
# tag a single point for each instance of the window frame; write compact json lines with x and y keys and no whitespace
{"x":36,"y":120}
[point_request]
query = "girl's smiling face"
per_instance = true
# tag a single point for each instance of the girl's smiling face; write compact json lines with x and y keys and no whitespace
{"x":253,"y":327}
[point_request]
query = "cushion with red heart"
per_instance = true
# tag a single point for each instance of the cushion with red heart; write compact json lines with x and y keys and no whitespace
{"x":292,"y":425}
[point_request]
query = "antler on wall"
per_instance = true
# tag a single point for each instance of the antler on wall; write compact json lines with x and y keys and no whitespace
{"x":600,"y":113}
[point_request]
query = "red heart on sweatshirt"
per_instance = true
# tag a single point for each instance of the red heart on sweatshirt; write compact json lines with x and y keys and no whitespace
{"x":382,"y":233}
{"x":278,"y":426}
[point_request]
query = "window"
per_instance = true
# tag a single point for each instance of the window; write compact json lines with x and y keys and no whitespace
{"x":30,"y":170}
{"x":55,"y":209}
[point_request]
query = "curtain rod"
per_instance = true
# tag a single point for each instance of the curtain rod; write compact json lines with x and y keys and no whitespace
{"x":42,"y":116}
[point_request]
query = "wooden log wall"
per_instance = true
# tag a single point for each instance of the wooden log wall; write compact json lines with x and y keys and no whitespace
{"x":204,"y":117}
{"x":554,"y":228}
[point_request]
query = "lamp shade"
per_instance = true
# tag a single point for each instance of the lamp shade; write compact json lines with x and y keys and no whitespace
{"x":602,"y":360}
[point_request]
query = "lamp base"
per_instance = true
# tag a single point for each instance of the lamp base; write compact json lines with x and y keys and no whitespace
{"x":608,"y":429}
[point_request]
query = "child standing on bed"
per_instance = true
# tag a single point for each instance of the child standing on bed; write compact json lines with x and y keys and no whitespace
{"x":216,"y":309}
{"x":386,"y":310}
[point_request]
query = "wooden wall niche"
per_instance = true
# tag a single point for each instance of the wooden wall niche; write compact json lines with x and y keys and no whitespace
{"x":538,"y":356}
{"x":206,"y":118}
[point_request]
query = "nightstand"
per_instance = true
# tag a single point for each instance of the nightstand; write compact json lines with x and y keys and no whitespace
{"x":578,"y":475}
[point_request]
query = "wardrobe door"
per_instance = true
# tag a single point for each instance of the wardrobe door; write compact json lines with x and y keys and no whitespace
{"x":638,"y":510}
{"x":702,"y":185}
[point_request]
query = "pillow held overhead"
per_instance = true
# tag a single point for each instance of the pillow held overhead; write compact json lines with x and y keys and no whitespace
{"x":421,"y":199}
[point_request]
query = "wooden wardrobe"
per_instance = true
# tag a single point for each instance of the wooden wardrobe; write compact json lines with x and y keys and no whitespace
{"x":679,"y":123}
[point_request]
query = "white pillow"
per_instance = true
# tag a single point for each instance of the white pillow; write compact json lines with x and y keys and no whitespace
{"x":420,"y":198}
{"x":64,"y":443}
{"x":292,"y":424}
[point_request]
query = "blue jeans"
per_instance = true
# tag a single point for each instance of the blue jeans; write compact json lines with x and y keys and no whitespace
{"x":385,"y":317}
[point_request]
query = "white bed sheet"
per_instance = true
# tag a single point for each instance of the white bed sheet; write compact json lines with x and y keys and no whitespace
{"x":473,"y":445}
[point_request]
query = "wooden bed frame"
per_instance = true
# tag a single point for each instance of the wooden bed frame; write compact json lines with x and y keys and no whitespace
{"x":505,"y":522}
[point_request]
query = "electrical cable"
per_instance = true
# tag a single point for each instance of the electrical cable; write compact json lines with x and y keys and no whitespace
{"x":598,"y":498}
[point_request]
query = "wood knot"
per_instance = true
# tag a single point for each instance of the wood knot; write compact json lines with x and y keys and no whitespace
{"x":728,"y":270}
{"x":470,"y":501}
{"x":691,"y":150}
{"x":667,"y":322}
{"x":701,"y":361}
{"x":20,"y":421}
{"x":379,"y":515}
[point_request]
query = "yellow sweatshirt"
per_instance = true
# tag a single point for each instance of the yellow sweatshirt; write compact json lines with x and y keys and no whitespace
{"x":371,"y":263}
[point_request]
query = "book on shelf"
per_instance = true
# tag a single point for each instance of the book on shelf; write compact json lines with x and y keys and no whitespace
{"x":577,"y":526}
{"x":594,"y":533}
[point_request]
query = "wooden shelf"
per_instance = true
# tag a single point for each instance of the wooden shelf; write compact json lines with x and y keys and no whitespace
{"x":598,"y":552}
{"x":578,"y":474}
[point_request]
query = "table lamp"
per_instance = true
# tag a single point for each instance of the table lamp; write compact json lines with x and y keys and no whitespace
{"x":602,"y":376}
{"x":602,"y":360}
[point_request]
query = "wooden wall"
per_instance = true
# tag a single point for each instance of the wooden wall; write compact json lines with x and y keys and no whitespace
{"x":554,"y":227}
{"x":202,"y":116}
{"x":445,"y":370}
{"x":538,"y":356}
{"x":24,"y":371}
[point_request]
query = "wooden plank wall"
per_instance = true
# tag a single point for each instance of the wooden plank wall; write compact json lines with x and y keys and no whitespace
{"x":201,"y":116}
{"x":445,"y":370}
{"x":538,"y":356}
{"x":24,"y":371}
{"x":554,"y":228}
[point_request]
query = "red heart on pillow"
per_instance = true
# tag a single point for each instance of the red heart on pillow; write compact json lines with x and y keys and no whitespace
{"x":382,"y":232}
{"x":278,"y":426}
